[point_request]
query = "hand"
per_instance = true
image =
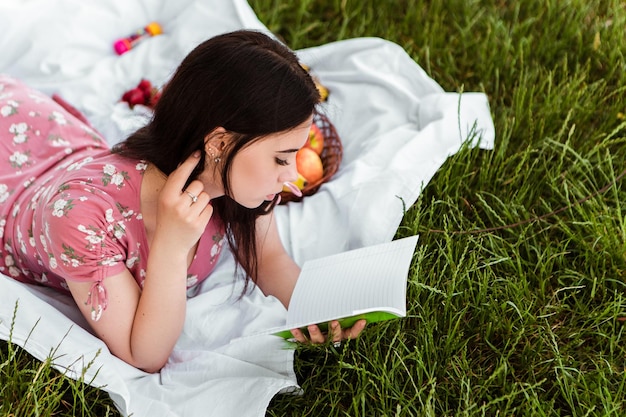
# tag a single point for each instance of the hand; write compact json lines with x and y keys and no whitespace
{"x":335,"y":333}
{"x":182,"y":214}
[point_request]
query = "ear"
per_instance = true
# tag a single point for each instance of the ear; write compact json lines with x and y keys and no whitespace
{"x":216,"y":141}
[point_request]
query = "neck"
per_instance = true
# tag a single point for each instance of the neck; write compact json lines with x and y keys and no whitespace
{"x":154,"y":180}
{"x":151,"y":186}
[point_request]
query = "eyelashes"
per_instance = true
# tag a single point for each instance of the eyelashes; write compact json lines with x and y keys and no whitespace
{"x":281,"y":162}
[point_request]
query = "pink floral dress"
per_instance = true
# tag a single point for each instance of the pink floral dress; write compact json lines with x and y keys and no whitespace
{"x":69,"y":208}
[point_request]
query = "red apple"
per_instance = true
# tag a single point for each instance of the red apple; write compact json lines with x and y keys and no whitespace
{"x":315,"y":140}
{"x":309,"y":164}
{"x":136,"y":97}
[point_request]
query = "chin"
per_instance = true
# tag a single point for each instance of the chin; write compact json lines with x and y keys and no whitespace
{"x":251,"y":204}
{"x":254,"y":203}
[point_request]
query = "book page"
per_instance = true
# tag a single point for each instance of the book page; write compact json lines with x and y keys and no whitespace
{"x":363,"y":280}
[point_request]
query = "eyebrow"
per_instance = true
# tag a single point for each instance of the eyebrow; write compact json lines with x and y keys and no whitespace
{"x":289,"y":151}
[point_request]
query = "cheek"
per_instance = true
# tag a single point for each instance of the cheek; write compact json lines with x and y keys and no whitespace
{"x":248,"y":177}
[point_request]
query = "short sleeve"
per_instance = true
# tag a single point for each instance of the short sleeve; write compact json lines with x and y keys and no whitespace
{"x":83,"y":235}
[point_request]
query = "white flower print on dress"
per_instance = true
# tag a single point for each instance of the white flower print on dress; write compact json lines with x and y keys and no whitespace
{"x":16,"y":210}
{"x":142,"y":277}
{"x":19,"y":159}
{"x":216,"y":249}
{"x":19,"y":139}
{"x":108,"y":214}
{"x":119,"y":230}
{"x":111,"y":176}
{"x":19,"y":132}
{"x":6,"y":111}
{"x":20,"y":240}
{"x":71,"y":257}
{"x":133,"y":258}
{"x":9,"y":109}
{"x":61,"y":207}
{"x":42,"y":279}
{"x":14,"y":271}
{"x":3,"y":223}
{"x":192,"y":280}
{"x":124,"y":210}
{"x":57,"y":141}
{"x":109,"y":169}
{"x":141,"y":166}
{"x":130,"y":262}
{"x":4,"y":193}
{"x":78,"y":165}
{"x":117,"y":179}
{"x":59,"y":118}
{"x":18,"y":128}
{"x":110,"y":261}
{"x":28,"y":182}
{"x":94,"y":236}
{"x":42,"y":239}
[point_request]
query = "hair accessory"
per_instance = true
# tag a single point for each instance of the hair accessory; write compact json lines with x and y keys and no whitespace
{"x":124,"y":45}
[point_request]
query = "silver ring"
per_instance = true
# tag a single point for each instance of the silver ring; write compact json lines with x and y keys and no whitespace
{"x":337,"y":344}
{"x":194,"y":198}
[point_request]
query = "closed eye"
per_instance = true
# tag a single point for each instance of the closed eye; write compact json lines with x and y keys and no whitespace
{"x":282,"y":162}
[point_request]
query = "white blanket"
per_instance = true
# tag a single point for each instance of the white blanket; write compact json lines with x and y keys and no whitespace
{"x":397,"y":126}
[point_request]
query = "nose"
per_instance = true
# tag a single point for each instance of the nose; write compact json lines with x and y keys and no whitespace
{"x":290,"y":173}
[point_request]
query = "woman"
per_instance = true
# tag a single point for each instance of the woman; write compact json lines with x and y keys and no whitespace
{"x":129,"y":231}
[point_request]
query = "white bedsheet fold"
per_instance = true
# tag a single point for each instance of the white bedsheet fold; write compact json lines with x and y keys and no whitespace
{"x":397,"y":127}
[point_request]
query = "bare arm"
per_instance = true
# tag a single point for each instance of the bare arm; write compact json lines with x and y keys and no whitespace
{"x":142,"y":326}
{"x":138,"y":327}
{"x":278,"y":273}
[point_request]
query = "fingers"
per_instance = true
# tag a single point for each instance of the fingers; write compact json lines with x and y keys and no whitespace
{"x":194,"y":193}
{"x":335,"y":333}
{"x":178,"y":178}
{"x":183,"y":213}
{"x":354,"y":331}
{"x":299,"y":336}
{"x":315,"y":335}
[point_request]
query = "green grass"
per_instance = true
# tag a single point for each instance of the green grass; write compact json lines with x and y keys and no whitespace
{"x":524,"y":320}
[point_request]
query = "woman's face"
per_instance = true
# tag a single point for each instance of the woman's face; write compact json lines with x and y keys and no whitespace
{"x":259,"y":170}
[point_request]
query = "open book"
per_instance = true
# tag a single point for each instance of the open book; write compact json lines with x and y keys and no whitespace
{"x":367,"y":283}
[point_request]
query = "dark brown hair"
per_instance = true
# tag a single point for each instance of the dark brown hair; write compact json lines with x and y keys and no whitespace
{"x":243,"y":81}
